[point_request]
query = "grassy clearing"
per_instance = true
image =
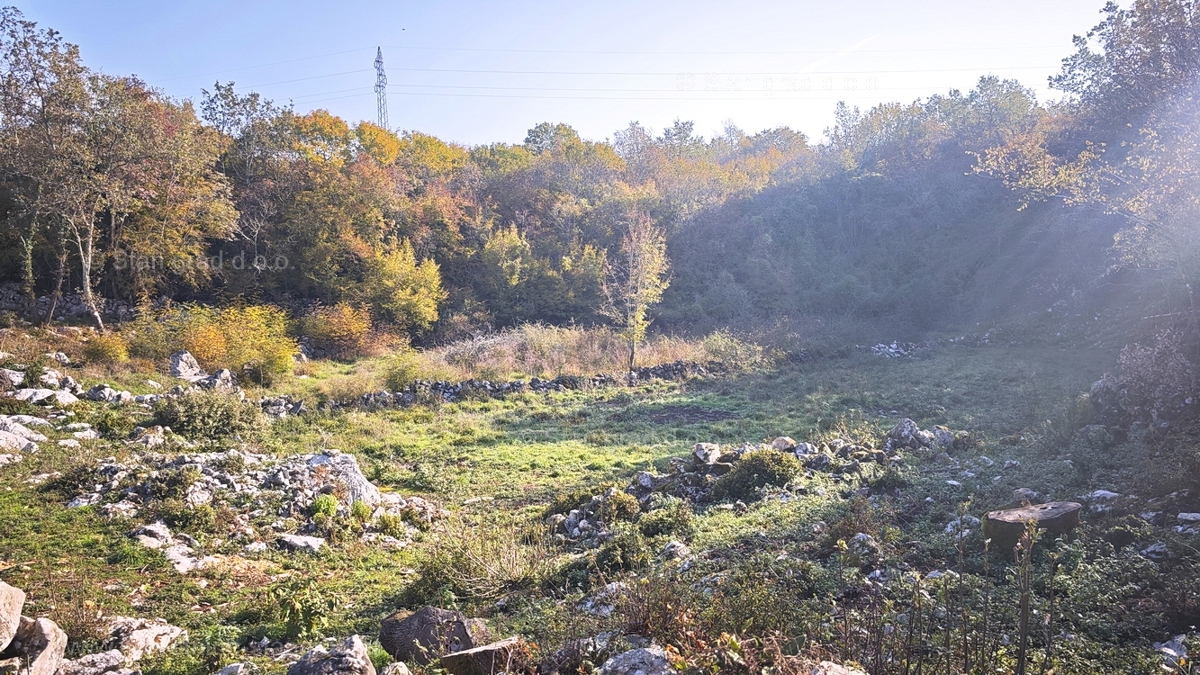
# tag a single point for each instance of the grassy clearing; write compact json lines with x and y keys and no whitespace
{"x":497,"y":463}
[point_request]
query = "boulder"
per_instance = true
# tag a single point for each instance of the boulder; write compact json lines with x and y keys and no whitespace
{"x":706,"y":453}
{"x":296,"y":542}
{"x":349,"y":657}
{"x":11,"y":441}
{"x":222,"y":380}
{"x":346,"y":471}
{"x":428,"y":633}
{"x":12,"y":599}
{"x":46,"y":396}
{"x":185,"y":367}
{"x":650,"y":660}
{"x":396,"y":668}
{"x":494,"y":658}
{"x":905,"y":434}
{"x":784,"y":444}
{"x":40,"y":644}
{"x":14,"y":378}
{"x":135,"y":638}
{"x":111,"y":661}
{"x":1006,"y":526}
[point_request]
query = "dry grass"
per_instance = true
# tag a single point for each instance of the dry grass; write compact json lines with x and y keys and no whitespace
{"x":550,"y":351}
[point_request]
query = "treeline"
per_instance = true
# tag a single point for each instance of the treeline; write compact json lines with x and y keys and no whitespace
{"x":907,"y":218}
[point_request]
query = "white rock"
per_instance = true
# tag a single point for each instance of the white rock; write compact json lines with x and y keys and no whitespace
{"x":298,"y":542}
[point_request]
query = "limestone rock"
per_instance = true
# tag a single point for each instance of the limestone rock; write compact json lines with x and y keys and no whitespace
{"x":136,"y":638}
{"x":345,"y":469}
{"x":185,"y":367}
{"x":222,"y":380}
{"x":428,"y":633}
{"x":1006,"y":526}
{"x":111,"y":661}
{"x":349,"y":657}
{"x":650,"y":660}
{"x":14,"y":378}
{"x":397,"y":668}
{"x":485,"y":660}
{"x":784,"y":444}
{"x":40,"y":643}
{"x":11,"y":441}
{"x":706,"y":453}
{"x":12,"y":599}
{"x":296,"y":542}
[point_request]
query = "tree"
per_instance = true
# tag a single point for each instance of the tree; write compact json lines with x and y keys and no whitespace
{"x":636,"y":280}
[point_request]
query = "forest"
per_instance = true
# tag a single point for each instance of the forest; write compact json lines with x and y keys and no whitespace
{"x":907,"y":219}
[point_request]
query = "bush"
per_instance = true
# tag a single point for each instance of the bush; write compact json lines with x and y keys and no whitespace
{"x":106,"y":348}
{"x":565,"y":502}
{"x":724,"y":347}
{"x":1156,"y":378}
{"x":674,"y":519}
{"x":209,"y":415}
{"x":618,"y":506}
{"x":341,"y":330}
{"x":249,"y":339}
{"x":324,"y":505}
{"x":626,"y":550}
{"x":753,"y":471}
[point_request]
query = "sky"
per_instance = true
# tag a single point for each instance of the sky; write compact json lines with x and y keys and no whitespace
{"x":485,"y":72}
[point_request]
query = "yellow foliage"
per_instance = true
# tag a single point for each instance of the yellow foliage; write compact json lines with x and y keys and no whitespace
{"x":106,"y":348}
{"x":341,"y":329}
{"x":250,"y":340}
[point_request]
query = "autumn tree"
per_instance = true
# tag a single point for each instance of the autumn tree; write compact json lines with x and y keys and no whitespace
{"x":636,"y":279}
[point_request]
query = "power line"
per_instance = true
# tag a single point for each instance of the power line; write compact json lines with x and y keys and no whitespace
{"x":674,"y":73}
{"x":720,"y":53}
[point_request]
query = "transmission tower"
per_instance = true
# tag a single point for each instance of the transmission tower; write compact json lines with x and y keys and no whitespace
{"x":381,"y":88}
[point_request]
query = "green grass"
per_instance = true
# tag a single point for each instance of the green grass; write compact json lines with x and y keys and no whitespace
{"x":506,"y":459}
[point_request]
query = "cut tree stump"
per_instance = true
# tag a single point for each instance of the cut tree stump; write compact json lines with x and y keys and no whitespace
{"x":1006,"y":526}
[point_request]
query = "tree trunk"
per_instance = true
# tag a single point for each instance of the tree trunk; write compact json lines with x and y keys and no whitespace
{"x":27,"y":278}
{"x":87,"y":251}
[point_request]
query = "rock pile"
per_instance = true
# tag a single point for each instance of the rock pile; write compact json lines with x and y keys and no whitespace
{"x":253,"y":486}
{"x":37,"y":646}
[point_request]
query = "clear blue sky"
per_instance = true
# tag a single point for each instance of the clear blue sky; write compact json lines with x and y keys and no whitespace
{"x":478,"y":72}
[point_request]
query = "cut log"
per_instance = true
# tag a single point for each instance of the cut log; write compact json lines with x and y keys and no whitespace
{"x":1006,"y":526}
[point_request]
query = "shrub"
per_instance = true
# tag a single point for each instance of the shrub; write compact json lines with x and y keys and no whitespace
{"x":341,"y":330}
{"x":753,"y":471}
{"x":249,"y":339}
{"x":626,"y":550}
{"x":324,"y":505}
{"x":208,"y":415}
{"x":565,"y":502}
{"x":361,"y":511}
{"x":724,"y":347}
{"x":1156,"y":378}
{"x":618,"y":506}
{"x":674,"y":519}
{"x":106,"y":348}
{"x":482,"y":560}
